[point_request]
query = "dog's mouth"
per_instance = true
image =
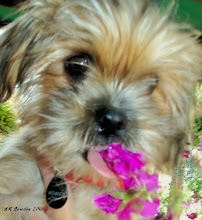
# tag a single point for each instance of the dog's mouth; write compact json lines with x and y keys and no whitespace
{"x":96,"y":161}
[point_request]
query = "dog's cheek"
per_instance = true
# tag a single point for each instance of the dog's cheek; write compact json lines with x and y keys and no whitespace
{"x":52,"y":82}
{"x":158,"y":97}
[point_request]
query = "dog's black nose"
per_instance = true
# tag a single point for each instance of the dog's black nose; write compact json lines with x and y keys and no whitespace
{"x":110,"y":122}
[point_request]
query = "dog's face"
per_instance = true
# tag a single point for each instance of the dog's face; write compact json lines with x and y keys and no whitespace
{"x":91,"y":73}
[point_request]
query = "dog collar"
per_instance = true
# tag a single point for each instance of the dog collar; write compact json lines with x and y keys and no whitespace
{"x":71,"y":180}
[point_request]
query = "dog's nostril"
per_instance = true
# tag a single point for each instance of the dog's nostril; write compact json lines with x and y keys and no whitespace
{"x":109,"y":121}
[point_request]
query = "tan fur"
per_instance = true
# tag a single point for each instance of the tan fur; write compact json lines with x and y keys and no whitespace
{"x":143,"y":65}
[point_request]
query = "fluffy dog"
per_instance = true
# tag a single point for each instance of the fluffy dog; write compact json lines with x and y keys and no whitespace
{"x":90,"y":73}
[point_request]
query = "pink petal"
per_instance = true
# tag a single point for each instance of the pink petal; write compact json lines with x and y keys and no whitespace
{"x":150,"y":209}
{"x":130,"y":183}
{"x":109,"y":155}
{"x":150,"y":181}
{"x":135,"y":164}
{"x":187,"y":205}
{"x":107,"y":203}
{"x":186,"y":151}
{"x":126,"y":212}
{"x":122,"y":161}
{"x":121,"y":169}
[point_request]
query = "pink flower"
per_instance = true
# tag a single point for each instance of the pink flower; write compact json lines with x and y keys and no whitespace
{"x":121,"y":161}
{"x":126,"y":164}
{"x":124,"y":214}
{"x":186,"y":151}
{"x":129,"y":167}
{"x":107,"y":203}
{"x":150,"y":181}
{"x":150,"y":209}
{"x":192,"y":216}
{"x":185,"y":156}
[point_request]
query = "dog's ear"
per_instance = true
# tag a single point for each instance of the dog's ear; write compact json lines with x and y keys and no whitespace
{"x":23,"y":43}
{"x":15,"y":44}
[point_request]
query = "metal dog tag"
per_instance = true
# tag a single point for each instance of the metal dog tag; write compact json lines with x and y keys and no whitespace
{"x":57,"y":192}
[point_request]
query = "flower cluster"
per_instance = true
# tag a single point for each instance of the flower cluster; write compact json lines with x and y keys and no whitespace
{"x":192,"y":216}
{"x":139,"y":186}
{"x":186,"y":153}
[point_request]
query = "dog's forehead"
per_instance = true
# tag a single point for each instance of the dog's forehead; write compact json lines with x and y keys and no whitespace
{"x":113,"y":33}
{"x":96,"y":22}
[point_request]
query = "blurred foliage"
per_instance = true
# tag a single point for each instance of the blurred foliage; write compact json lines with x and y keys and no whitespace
{"x":199,"y":94}
{"x":196,"y":142}
{"x":7,"y":118}
{"x":198,"y":124}
{"x":194,"y":183}
{"x":198,"y":118}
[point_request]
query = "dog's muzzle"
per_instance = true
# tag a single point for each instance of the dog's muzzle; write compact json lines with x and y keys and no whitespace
{"x":110,"y":126}
{"x":109,"y":122}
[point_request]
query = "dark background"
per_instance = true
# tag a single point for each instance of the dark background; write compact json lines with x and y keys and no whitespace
{"x":10,"y":3}
{"x":184,"y":11}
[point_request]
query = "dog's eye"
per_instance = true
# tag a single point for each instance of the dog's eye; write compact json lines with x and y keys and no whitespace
{"x":153,"y":84}
{"x":77,"y":66}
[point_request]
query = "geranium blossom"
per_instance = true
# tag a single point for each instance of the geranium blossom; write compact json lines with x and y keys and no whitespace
{"x":192,"y":216}
{"x":122,"y":161}
{"x":186,"y":153}
{"x":107,"y":203}
{"x":129,"y":167}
